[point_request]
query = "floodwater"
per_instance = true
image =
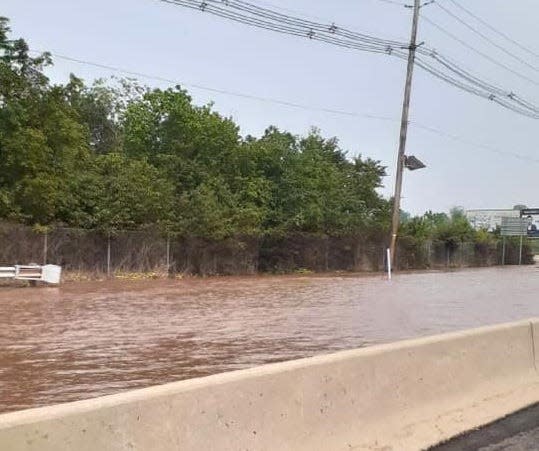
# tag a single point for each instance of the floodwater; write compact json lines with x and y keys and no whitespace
{"x":89,"y":339}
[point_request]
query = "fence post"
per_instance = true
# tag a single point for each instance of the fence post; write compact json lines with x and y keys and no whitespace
{"x":45,"y":246}
{"x":168,"y":253}
{"x":326,"y":254}
{"x":108,"y":255}
{"x":388,"y":263}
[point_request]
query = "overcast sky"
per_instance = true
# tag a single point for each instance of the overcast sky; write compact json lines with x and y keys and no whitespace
{"x":192,"y":47}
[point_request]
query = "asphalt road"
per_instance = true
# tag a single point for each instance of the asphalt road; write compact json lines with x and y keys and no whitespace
{"x":516,"y":432}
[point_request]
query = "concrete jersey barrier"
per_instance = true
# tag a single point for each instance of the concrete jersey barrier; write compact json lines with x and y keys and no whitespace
{"x":404,"y":395}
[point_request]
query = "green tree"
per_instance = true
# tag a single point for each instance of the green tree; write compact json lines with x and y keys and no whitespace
{"x":451,"y":229}
{"x":116,"y":155}
{"x":123,"y":193}
{"x":102,"y":107}
{"x":314,"y":187}
{"x":456,"y":230}
{"x":43,"y":149}
{"x":201,"y":153}
{"x":21,"y":76}
{"x":21,"y":82}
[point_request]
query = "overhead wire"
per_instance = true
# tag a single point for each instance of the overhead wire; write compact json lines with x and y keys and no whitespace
{"x":288,"y":10}
{"x":485,"y":37}
{"x":467,"y":75}
{"x":478,"y":52}
{"x":285,"y":103}
{"x":217,"y":90}
{"x":254,"y":15}
{"x":525,"y":110}
{"x":494,"y":29}
{"x":241,"y":10}
{"x":489,"y":88}
{"x":393,"y":2}
{"x":468,"y":142}
{"x":318,"y":35}
{"x":313,"y":17}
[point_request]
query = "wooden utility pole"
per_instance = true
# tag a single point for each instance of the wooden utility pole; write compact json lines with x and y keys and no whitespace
{"x":403,"y":132}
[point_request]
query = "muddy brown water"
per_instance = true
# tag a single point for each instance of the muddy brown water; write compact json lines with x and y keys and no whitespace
{"x":89,"y":339}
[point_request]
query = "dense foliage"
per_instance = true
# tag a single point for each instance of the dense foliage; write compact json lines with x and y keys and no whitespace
{"x":121,"y":156}
{"x":451,"y":229}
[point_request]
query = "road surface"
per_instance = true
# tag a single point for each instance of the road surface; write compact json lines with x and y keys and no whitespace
{"x":517,"y":432}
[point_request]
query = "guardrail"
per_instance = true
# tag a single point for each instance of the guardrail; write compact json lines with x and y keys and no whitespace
{"x":47,"y":273}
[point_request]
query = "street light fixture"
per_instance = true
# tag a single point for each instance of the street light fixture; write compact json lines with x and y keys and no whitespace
{"x":412,"y":163}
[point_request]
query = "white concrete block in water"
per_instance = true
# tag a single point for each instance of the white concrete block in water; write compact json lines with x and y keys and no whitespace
{"x":51,"y":274}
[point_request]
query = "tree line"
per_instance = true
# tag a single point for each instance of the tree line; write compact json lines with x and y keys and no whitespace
{"x":117,"y":155}
{"x":120,"y":156}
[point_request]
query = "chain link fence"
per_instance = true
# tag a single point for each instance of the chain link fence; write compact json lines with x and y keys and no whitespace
{"x":149,"y":251}
{"x":439,"y":254}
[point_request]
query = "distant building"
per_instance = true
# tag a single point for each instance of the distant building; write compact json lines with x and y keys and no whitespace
{"x":489,"y":219}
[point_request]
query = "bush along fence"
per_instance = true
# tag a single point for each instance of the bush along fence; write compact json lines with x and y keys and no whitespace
{"x":149,"y":251}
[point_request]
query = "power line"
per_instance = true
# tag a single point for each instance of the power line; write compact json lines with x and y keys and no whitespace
{"x":462,"y":140}
{"x":525,"y":110}
{"x":323,"y":19}
{"x":478,"y":52}
{"x":486,"y":38}
{"x":393,"y":2}
{"x":324,"y":28}
{"x":296,"y":27}
{"x":371,"y":44}
{"x":256,"y":16}
{"x":219,"y":91}
{"x":488,"y":88}
{"x":349,"y":39}
{"x":291,"y":104}
{"x":288,"y":10}
{"x":494,"y":29}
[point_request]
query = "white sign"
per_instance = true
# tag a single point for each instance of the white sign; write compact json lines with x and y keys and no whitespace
{"x":514,"y":227}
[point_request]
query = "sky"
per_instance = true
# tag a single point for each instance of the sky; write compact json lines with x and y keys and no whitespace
{"x":493,"y":164}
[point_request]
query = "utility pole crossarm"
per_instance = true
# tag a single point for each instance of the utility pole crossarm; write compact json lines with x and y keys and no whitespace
{"x":403,"y":132}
